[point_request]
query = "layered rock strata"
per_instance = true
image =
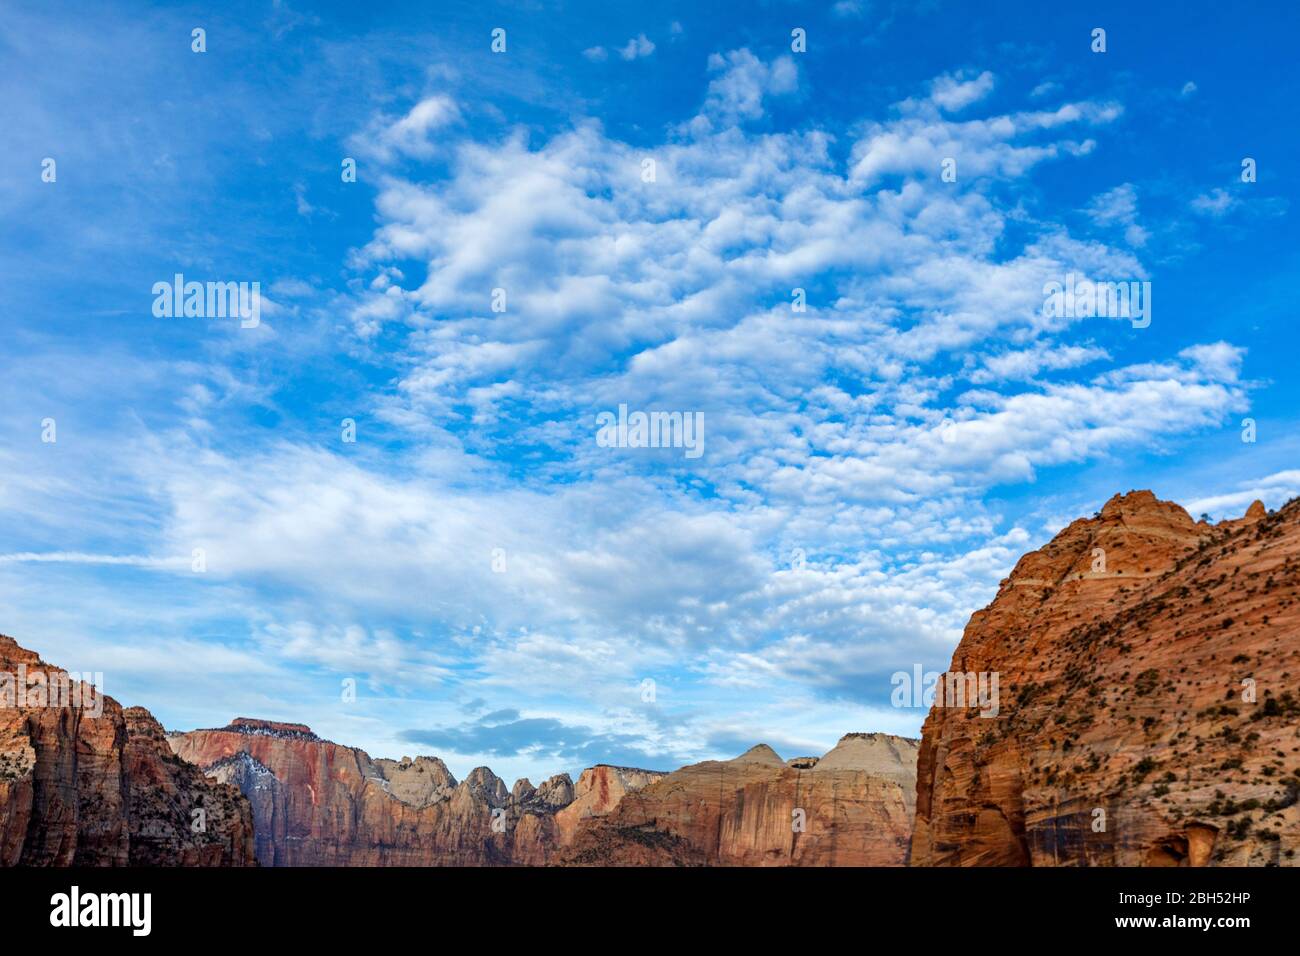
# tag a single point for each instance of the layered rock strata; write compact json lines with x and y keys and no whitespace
{"x":86,"y":782}
{"x":852,"y":807}
{"x":1148,"y":714}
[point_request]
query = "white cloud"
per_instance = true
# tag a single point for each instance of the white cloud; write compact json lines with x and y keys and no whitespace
{"x":1220,"y":361}
{"x":954,"y":91}
{"x":664,"y":294}
{"x":409,"y":135}
{"x":1216,"y":204}
{"x":1118,"y":207}
{"x":79,"y":557}
{"x":1024,"y":364}
{"x":864,"y":432}
{"x":1274,"y":490}
{"x":998,"y":146}
{"x":738,"y":92}
{"x":637,"y":47}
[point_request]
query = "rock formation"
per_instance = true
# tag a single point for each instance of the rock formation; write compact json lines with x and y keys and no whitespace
{"x":1148,"y":714}
{"x":853,"y":807}
{"x":85,"y":782}
{"x":599,"y":790}
{"x":318,"y":803}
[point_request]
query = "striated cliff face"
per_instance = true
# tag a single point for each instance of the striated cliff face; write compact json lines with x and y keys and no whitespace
{"x":598,"y":792}
{"x":317,"y":803}
{"x":1148,"y":709}
{"x":852,"y":807}
{"x":98,"y":785}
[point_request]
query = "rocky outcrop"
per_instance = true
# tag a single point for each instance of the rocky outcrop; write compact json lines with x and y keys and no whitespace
{"x":318,"y":803}
{"x":1146,"y":670}
{"x":852,"y":807}
{"x":85,"y":782}
{"x":266,"y":798}
{"x":599,"y":790}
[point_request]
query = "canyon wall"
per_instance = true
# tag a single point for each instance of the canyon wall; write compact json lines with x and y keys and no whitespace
{"x":78,"y":789}
{"x":852,"y":807}
{"x":320,"y":803}
{"x":1148,"y":712}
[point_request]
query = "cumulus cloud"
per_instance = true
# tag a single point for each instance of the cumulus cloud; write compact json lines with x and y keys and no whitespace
{"x":743,"y":80}
{"x":954,"y":91}
{"x":1024,"y":364}
{"x":388,"y":138}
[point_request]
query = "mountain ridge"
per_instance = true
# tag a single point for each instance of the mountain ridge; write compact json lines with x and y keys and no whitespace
{"x":328,"y":804}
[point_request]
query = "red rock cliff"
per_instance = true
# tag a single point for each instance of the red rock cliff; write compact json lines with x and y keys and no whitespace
{"x":1148,"y":715}
{"x":852,"y":807}
{"x":317,"y":803}
{"x":106,"y":790}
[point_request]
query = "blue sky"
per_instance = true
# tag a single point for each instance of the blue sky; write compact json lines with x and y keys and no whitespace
{"x":872,"y":467}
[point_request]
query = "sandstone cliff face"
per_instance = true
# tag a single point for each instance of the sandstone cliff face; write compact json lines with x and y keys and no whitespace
{"x":86,"y":790}
{"x":1148,"y":714}
{"x":317,"y":803}
{"x":852,"y":807}
{"x":597,"y":793}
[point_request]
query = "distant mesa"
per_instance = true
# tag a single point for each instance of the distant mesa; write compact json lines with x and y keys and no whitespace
{"x":251,"y":725}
